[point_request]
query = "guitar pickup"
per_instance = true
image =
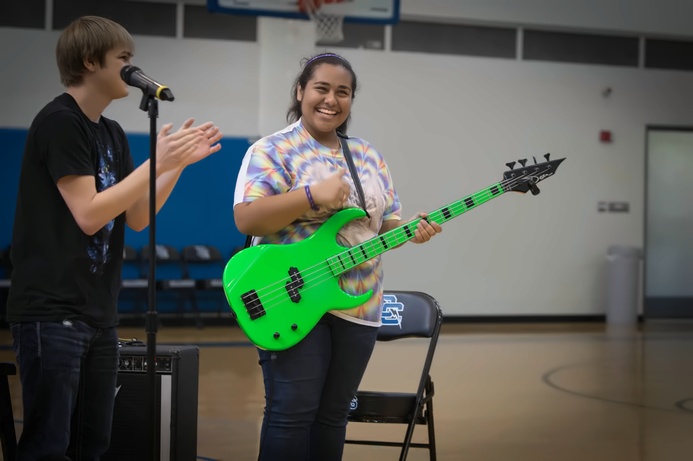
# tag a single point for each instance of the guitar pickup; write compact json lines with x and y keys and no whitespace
{"x":252,"y":304}
{"x":293,"y":286}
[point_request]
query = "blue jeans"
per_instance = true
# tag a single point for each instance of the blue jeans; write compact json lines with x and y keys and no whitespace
{"x":308,"y":390}
{"x":68,"y":372}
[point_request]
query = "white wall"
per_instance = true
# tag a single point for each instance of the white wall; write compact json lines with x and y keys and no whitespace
{"x":447,"y":126}
{"x":448,"y":131}
{"x":656,"y":17}
{"x":211,"y":80}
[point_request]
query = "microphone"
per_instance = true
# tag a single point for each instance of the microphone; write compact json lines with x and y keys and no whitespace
{"x":133,"y":76}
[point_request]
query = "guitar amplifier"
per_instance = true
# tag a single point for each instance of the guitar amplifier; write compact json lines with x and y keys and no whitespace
{"x":177,"y":387}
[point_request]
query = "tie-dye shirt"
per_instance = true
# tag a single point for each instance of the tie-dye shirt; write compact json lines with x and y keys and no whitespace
{"x":291,"y":159}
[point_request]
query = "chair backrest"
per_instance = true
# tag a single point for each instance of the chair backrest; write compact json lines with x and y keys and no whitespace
{"x":129,"y":253}
{"x":162,"y":253}
{"x":202,"y":262}
{"x":169,"y":264}
{"x":409,"y":314}
{"x":132,"y":264}
{"x":201,"y":253}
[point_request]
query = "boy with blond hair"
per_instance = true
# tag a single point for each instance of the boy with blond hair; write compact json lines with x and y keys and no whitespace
{"x":78,"y":189}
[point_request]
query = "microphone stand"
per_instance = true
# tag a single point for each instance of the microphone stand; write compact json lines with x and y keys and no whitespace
{"x":150,"y":105}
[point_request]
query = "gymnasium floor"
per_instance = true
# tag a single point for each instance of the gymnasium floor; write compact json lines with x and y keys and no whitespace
{"x":520,"y":392}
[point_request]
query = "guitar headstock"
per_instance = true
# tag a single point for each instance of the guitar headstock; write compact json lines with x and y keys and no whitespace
{"x":526,"y":177}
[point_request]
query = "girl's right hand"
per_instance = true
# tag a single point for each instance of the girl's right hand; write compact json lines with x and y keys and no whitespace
{"x":332,"y":192}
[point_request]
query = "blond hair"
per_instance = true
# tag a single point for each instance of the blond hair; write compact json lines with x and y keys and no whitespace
{"x":87,"y":38}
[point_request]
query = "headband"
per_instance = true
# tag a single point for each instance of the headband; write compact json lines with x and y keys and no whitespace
{"x":324,"y":55}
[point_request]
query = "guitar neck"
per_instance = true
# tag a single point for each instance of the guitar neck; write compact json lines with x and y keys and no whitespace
{"x":352,"y":257}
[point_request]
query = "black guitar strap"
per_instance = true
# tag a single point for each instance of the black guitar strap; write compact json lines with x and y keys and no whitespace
{"x":352,"y":170}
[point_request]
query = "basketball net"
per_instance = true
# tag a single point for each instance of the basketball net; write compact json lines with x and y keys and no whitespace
{"x":328,"y":27}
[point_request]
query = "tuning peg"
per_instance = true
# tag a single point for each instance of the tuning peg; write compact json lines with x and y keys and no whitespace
{"x":546,"y":156}
{"x":510,"y":165}
{"x":522,"y":161}
{"x":535,"y":159}
{"x":533,"y":188}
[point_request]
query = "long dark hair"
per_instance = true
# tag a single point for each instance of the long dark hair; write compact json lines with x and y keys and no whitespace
{"x":309,"y":64}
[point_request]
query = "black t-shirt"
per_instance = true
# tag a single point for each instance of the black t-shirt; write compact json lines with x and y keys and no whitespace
{"x":59,"y":272}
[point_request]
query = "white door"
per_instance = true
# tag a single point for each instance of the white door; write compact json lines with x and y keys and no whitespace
{"x":669,"y":223}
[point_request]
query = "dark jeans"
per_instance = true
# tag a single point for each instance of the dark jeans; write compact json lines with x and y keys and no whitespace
{"x":308,"y":390}
{"x":68,"y":373}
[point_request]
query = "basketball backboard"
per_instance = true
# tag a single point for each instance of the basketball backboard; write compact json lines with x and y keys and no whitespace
{"x":364,"y":11}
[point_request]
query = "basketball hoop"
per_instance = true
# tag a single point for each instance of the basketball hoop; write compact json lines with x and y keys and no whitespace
{"x":328,"y":27}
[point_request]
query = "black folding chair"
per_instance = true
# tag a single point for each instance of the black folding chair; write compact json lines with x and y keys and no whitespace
{"x":133,"y":293}
{"x":406,"y":314}
{"x":170,"y":279}
{"x":205,"y":265}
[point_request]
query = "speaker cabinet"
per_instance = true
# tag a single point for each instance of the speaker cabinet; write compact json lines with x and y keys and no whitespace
{"x":177,"y":370}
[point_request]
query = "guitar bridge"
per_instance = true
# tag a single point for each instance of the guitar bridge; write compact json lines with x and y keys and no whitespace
{"x":293,"y":286}
{"x":252,"y":304}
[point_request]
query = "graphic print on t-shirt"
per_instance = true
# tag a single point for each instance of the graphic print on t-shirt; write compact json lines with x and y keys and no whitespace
{"x":99,"y":244}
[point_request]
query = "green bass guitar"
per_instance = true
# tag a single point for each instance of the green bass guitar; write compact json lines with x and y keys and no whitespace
{"x":278,"y":293}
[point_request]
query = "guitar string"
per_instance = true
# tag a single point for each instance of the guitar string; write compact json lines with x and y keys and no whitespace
{"x":323,"y":274}
{"x":326,"y":275}
{"x":277,"y":289}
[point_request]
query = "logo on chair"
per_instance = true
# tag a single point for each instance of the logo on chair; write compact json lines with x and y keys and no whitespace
{"x":392,"y":311}
{"x":354,"y":404}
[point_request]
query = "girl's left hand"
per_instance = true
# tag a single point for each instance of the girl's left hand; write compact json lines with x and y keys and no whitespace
{"x":425,"y":229}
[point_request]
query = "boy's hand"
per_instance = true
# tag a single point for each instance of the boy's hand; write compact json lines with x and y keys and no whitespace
{"x":186,"y":146}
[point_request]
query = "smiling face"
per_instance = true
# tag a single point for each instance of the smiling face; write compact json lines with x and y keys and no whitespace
{"x":326,"y":102}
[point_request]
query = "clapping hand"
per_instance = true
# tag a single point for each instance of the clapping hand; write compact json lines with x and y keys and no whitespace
{"x":188,"y":145}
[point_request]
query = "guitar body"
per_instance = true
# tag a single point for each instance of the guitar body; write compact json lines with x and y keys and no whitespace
{"x":278,"y":293}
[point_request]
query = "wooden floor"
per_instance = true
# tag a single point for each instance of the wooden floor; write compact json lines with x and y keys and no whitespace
{"x":503,"y":392}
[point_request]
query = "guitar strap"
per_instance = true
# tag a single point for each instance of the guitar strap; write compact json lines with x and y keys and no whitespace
{"x":352,"y":170}
{"x":354,"y":176}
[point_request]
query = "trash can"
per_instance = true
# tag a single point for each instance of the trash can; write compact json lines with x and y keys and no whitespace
{"x":623,"y":276}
